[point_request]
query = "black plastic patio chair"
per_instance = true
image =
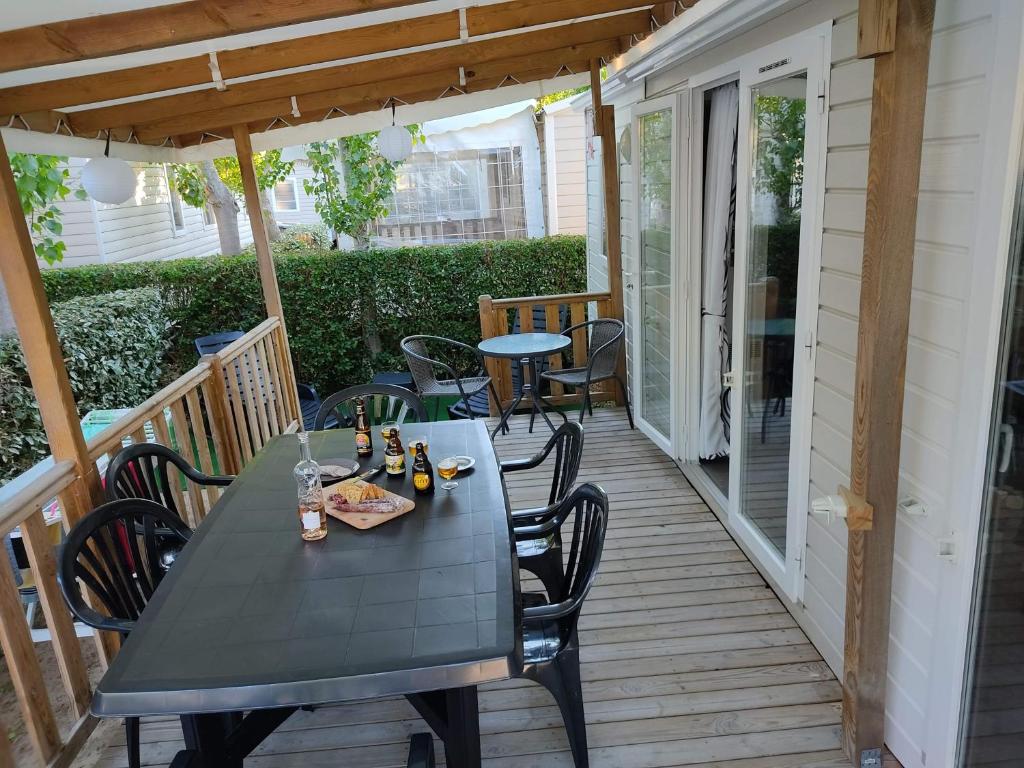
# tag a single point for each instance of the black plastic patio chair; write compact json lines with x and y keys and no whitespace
{"x":117,"y":552}
{"x":603,"y":345}
{"x":550,"y":643}
{"x":542,"y":556}
{"x":140,"y":471}
{"x":424,"y":367}
{"x":384,"y":402}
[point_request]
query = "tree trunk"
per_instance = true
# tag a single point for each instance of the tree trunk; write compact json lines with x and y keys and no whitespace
{"x":371,"y":336}
{"x":225,"y":210}
{"x":273,"y":231}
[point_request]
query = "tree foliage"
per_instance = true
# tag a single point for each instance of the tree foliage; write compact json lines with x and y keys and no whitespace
{"x":780,"y":151}
{"x":188,"y":181}
{"x":42,"y":181}
{"x":354,"y":164}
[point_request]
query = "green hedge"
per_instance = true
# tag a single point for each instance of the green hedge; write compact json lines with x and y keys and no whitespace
{"x":330,"y":297}
{"x":114,"y":346}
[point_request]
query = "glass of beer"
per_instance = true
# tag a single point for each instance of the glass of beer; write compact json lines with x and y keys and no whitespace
{"x":387,"y":426}
{"x":448,"y":469}
{"x":412,"y":445}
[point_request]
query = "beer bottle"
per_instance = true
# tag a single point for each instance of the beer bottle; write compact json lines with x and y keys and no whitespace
{"x":364,"y":437}
{"x":394,"y":455}
{"x":422,"y":472}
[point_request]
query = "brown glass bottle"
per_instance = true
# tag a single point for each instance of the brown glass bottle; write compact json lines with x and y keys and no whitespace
{"x":364,"y":435}
{"x":422,"y":472}
{"x":394,"y":455}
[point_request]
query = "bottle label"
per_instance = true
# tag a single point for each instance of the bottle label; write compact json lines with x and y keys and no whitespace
{"x":310,"y":521}
{"x":362,"y":441}
{"x":421,"y":481}
{"x":395,"y":464}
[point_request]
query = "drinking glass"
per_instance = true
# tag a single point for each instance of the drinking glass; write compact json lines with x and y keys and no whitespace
{"x":447,"y":469}
{"x":387,"y":426}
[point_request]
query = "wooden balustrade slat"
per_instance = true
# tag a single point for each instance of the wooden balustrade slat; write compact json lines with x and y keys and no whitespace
{"x":6,"y":756}
{"x":236,"y":347}
{"x":225,"y":439}
{"x":254,"y":393}
{"x":249,"y":386}
{"x":505,"y":366}
{"x":194,"y":515}
{"x":66,"y":647}
{"x":163,"y":436}
{"x":525,"y":318}
{"x":287,"y":376}
{"x":270,"y":388}
{"x":139,"y":436}
{"x":491,"y":364}
{"x":241,"y":426}
{"x":195,"y":415}
{"x":553,"y":322}
{"x":577,"y":315}
{"x":280,"y":387}
{"x":26,"y":676}
{"x":32,"y":489}
{"x":610,"y":388}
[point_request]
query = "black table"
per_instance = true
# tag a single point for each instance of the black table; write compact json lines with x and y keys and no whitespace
{"x":253,"y":619}
{"x":527,"y":348}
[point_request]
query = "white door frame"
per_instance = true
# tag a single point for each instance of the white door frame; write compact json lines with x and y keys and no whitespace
{"x":680,"y":134}
{"x":811,"y":51}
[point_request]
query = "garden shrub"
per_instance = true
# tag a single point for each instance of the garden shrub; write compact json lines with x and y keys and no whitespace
{"x":329,"y":296}
{"x":114,"y":345}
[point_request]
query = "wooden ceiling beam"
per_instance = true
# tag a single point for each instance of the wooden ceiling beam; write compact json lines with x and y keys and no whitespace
{"x":186,"y":22}
{"x":468,"y":55}
{"x":488,"y":83}
{"x":480,"y":77}
{"x":315,"y":49}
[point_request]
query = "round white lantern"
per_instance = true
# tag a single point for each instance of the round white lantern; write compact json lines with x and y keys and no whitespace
{"x":108,"y":179}
{"x":394,"y":142}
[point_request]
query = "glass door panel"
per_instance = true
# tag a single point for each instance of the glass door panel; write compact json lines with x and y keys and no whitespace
{"x":992,"y":729}
{"x":777,"y":127}
{"x":655,"y":136}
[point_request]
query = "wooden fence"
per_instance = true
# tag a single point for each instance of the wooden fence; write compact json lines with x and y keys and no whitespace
{"x":498,"y":317}
{"x":218,"y":415}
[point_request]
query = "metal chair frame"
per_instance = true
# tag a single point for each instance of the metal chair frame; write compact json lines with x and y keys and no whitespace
{"x":337,"y":405}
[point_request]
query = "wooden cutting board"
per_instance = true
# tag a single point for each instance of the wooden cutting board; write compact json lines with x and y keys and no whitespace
{"x":365,"y":514}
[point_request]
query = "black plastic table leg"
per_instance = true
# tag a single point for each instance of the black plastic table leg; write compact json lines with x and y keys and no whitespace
{"x":462,"y":745}
{"x":208,"y":735}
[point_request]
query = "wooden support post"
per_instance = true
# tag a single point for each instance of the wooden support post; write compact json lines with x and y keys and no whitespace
{"x":264,"y":256}
{"x":44,"y":358}
{"x":492,"y":364}
{"x":894,"y":169}
{"x":605,"y":118}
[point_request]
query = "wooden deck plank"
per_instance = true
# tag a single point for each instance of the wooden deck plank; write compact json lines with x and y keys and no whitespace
{"x":688,"y":658}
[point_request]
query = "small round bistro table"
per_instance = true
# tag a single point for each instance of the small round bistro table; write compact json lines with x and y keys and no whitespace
{"x":527,"y":348}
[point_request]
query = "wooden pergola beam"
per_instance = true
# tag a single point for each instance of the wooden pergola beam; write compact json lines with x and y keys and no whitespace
{"x":894,"y":169}
{"x":364,"y":98}
{"x":408,"y":65}
{"x":44,"y":357}
{"x":314,"y":49}
{"x":188,"y":22}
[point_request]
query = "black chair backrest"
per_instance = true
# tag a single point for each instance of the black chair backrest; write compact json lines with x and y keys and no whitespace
{"x":215,"y":342}
{"x":428,"y":355}
{"x":140,"y":471}
{"x":384,"y":402}
{"x":605,"y":339}
{"x":567,"y":445}
{"x":119,"y":552}
{"x":588,"y":505}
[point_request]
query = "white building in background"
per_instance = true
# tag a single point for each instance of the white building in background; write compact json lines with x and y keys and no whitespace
{"x":478,"y":176}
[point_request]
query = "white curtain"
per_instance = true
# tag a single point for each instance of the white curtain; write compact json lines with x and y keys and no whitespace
{"x":719,"y":218}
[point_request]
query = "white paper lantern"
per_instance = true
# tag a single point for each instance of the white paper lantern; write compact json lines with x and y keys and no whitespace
{"x":395,"y":143}
{"x":108,"y":179}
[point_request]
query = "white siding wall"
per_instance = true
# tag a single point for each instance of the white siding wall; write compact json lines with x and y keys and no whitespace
{"x":565,"y":158}
{"x":955,"y":130}
{"x":139,"y":229}
{"x":306,"y":213}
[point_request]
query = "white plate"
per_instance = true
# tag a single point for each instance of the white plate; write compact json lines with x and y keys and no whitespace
{"x":465,"y":462}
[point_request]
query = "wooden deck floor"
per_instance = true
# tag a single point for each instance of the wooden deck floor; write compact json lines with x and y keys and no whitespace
{"x":688,"y":657}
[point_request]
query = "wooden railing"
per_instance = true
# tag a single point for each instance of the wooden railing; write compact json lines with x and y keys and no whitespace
{"x":497,"y":318}
{"x":218,"y":415}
